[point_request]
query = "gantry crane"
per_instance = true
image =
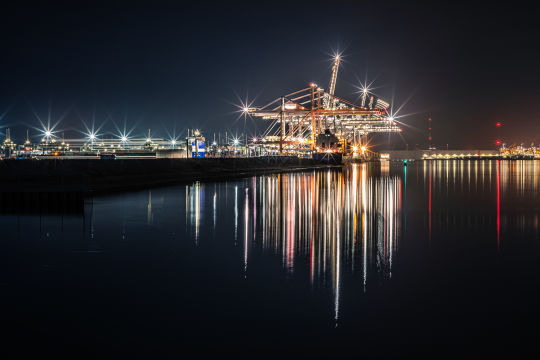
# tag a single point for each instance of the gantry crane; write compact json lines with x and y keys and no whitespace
{"x":299,"y":117}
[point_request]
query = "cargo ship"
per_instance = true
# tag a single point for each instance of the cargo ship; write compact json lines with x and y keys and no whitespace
{"x":328,"y":148}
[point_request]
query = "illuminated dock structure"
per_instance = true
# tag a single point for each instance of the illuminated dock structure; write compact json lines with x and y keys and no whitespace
{"x":297,"y":118}
{"x":439,"y":154}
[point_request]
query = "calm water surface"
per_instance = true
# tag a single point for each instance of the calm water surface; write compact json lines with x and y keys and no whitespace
{"x":373,"y":260}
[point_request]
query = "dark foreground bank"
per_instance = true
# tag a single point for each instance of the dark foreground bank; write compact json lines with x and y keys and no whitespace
{"x":120,"y":174}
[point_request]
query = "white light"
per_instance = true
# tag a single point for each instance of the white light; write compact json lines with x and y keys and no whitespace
{"x":290,"y":106}
{"x":123,"y":139}
{"x":245,"y":109}
{"x":173,"y":142}
{"x":48,"y":133}
{"x":235,"y":142}
{"x":354,"y":148}
{"x":363,"y":149}
{"x":391,"y":118}
{"x":254,"y":140}
{"x":92,"y":136}
{"x":148,"y":140}
{"x":214,"y":143}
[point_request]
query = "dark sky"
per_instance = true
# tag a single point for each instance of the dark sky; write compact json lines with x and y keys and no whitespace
{"x":166,"y":65}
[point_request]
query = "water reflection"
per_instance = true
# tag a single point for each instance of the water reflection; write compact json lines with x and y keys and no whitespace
{"x":330,"y":229}
{"x":195,"y":208}
{"x":334,"y":218}
{"x":488,"y":195}
{"x":351,"y":221}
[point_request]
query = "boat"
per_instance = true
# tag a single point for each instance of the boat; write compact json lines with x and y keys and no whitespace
{"x":328,"y":148}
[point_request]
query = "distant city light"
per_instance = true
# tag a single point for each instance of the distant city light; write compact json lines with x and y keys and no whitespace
{"x":173,"y":142}
{"x":48,"y":133}
{"x":498,"y":124}
{"x":236,"y":142}
{"x":123,"y":139}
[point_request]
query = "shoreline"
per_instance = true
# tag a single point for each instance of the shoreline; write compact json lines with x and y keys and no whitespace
{"x":105,"y":176}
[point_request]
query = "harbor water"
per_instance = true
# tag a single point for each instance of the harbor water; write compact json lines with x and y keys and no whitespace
{"x":371,"y":259}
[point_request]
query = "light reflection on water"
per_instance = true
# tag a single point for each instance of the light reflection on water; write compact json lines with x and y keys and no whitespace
{"x":311,"y":250}
{"x":348,"y":218}
{"x":354,"y":219}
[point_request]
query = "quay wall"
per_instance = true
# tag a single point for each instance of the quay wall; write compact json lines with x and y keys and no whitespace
{"x":117,"y":174}
{"x":422,"y":154}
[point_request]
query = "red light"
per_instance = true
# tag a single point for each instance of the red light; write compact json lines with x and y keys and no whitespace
{"x":498,"y":124}
{"x":429,"y":119}
{"x":429,"y":138}
{"x":498,"y":142}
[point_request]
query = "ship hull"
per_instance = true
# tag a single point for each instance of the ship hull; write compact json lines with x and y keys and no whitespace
{"x":331,"y":158}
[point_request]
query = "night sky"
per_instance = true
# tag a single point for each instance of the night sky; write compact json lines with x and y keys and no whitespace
{"x":167,"y":66}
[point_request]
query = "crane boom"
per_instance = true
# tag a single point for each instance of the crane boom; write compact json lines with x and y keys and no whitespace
{"x":334,"y":75}
{"x":329,"y":99}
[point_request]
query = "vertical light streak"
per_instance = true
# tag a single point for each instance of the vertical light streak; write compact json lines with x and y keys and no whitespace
{"x":254,"y":186}
{"x":215,"y":208}
{"x":364,"y":223}
{"x":246,"y":229}
{"x":149,"y":208}
{"x":498,"y":203}
{"x":429,"y":210}
{"x":235,"y":215}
